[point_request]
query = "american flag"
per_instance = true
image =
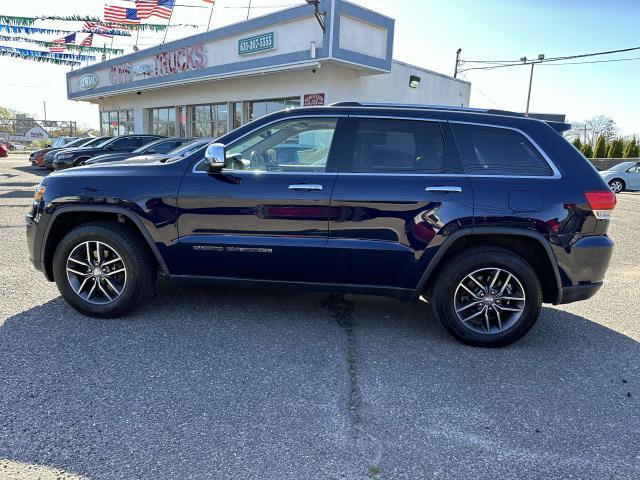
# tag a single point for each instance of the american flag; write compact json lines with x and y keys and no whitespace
{"x":60,"y":43}
{"x":95,"y":28}
{"x":87,"y":42}
{"x":121,"y":15}
{"x":158,"y":8}
{"x":209,"y":1}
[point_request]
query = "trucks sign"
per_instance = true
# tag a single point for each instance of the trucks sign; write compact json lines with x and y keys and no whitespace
{"x":257,"y":43}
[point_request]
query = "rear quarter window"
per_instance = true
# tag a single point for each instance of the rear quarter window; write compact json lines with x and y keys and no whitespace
{"x":498,"y":151}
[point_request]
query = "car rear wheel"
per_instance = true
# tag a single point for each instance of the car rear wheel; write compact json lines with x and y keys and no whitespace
{"x":616,"y":185}
{"x":103,"y":269}
{"x":487,"y":297}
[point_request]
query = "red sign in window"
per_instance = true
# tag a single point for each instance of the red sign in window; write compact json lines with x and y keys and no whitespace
{"x":314,"y":99}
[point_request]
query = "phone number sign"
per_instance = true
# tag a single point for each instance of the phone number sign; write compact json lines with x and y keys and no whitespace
{"x":257,"y":43}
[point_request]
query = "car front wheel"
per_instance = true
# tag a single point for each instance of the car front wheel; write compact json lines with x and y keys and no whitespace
{"x":616,"y":185}
{"x":487,"y":297}
{"x":103,"y":269}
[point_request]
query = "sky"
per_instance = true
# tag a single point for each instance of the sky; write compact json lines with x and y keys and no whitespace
{"x":427,"y":34}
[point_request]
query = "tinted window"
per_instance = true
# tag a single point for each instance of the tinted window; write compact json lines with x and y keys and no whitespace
{"x":497,"y":151}
{"x":124,"y":143}
{"x":398,"y":146}
{"x":140,"y":141}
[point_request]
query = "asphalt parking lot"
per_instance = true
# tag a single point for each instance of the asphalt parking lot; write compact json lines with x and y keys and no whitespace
{"x":204,"y":382}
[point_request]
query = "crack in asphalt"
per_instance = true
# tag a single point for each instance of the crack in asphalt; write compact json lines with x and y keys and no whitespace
{"x":342,"y":310}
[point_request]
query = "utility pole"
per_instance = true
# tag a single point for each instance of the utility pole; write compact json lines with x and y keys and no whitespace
{"x":44,"y":104}
{"x":533,"y":62}
{"x":455,"y":71}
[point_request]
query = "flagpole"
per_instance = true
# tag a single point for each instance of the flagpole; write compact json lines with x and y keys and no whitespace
{"x":168,"y":23}
{"x":248,"y":9}
{"x":210,"y":15}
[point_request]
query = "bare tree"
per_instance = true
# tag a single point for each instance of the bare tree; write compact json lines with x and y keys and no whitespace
{"x":590,"y":130}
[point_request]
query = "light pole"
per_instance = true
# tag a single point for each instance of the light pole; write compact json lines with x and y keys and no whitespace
{"x":533,"y":62}
{"x":455,"y":71}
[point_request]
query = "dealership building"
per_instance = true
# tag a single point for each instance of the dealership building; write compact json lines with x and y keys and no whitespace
{"x":210,"y":83}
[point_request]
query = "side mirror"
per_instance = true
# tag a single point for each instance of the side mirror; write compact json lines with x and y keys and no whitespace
{"x":215,"y":157}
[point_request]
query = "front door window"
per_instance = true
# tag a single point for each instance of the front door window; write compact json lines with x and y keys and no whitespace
{"x":298,"y":145}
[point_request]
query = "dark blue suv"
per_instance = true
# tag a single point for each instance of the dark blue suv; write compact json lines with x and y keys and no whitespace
{"x":488,"y":214}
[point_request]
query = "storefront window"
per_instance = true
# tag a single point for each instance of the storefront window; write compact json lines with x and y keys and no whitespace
{"x":261,"y":108}
{"x":116,"y":122}
{"x":210,"y":120}
{"x":163,"y":121}
{"x":237,"y":114}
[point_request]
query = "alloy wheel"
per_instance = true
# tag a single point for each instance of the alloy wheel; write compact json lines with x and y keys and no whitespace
{"x":489,"y":300}
{"x":96,"y":272}
{"x":616,"y":186}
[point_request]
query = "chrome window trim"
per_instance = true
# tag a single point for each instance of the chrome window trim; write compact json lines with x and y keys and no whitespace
{"x":556,"y":173}
{"x":322,"y":115}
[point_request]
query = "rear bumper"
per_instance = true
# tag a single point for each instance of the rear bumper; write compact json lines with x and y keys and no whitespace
{"x":583,"y":265}
{"x":578,"y":292}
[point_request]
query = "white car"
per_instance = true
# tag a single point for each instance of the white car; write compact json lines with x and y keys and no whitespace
{"x":623,"y":176}
{"x":18,"y":146}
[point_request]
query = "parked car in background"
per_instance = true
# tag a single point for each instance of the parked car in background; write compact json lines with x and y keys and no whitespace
{"x":18,"y":146}
{"x":7,"y":144}
{"x":488,"y":214}
{"x":74,"y":157}
{"x":37,"y":157}
{"x":180,"y":152}
{"x":623,"y":176}
{"x":156,"y":147}
{"x":93,"y":142}
{"x":4,"y":151}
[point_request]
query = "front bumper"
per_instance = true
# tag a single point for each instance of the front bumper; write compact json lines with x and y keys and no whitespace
{"x":32,"y":243}
{"x":62,"y":164}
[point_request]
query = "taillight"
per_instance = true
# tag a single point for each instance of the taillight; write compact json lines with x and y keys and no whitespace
{"x":602,"y":203}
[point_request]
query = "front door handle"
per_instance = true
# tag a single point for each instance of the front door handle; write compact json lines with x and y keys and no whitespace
{"x":305,"y":186}
{"x":444,"y":188}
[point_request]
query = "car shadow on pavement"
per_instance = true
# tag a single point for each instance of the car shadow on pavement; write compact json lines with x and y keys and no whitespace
{"x":41,"y":172}
{"x":232,"y":383}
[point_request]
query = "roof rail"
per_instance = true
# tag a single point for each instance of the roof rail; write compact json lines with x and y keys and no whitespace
{"x":428,"y":107}
{"x":558,"y":126}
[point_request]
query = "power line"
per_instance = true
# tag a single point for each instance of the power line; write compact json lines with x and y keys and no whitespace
{"x":514,"y":63}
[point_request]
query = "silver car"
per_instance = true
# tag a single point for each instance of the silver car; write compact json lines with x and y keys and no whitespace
{"x":623,"y":176}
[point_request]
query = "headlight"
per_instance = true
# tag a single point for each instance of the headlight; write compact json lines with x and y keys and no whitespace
{"x":64,"y":156}
{"x":39,"y":193}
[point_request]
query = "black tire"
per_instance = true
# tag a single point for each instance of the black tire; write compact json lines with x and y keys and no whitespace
{"x":447,"y":284}
{"x":80,"y":162}
{"x":617,"y":185}
{"x":138,"y":261}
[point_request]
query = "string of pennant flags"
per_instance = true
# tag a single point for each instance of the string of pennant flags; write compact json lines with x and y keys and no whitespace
{"x":116,"y":21}
{"x":84,"y":46}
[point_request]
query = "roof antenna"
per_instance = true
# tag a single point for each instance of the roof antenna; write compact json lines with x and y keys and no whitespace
{"x":318,"y":14}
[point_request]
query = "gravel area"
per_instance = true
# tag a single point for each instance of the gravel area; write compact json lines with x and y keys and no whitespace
{"x":228,"y":383}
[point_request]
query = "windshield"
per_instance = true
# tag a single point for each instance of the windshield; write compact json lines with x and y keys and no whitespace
{"x":187,"y":148}
{"x":98,"y":142}
{"x":61,"y":142}
{"x":621,"y":166}
{"x":76,"y":143}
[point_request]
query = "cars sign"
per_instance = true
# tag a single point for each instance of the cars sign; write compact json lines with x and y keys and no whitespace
{"x":88,"y":81}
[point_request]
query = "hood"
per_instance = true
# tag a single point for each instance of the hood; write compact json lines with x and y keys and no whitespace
{"x":41,"y":151}
{"x":109,"y":157}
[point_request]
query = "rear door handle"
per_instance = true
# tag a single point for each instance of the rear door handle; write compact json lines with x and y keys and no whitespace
{"x":305,"y":186}
{"x":444,"y":188}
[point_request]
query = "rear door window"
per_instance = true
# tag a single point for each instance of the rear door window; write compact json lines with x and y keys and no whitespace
{"x":398,"y":146}
{"x":498,"y":151}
